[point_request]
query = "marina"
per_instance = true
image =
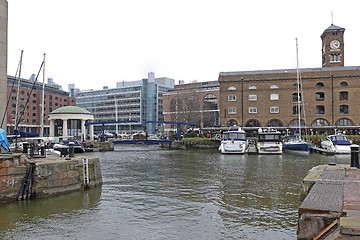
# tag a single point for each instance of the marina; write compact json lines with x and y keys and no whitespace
{"x":152,"y":193}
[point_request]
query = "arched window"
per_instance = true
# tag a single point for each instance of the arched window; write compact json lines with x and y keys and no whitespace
{"x":252,"y":123}
{"x":274,"y":123}
{"x":343,"y":122}
{"x":320,"y":123}
{"x":320,"y":109}
{"x":274,"y":86}
{"x":232,"y":122}
{"x":232,"y":88}
{"x":320,"y":96}
{"x":343,"y":84}
{"x":295,"y":86}
{"x":295,"y":123}
{"x":344,"y":109}
{"x":319,"y":84}
{"x":252,"y":87}
{"x":210,"y":102}
{"x":344,"y":95}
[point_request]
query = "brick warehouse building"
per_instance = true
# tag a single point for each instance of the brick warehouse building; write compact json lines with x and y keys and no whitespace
{"x":31,"y":115}
{"x":269,"y":98}
{"x":193,"y":102}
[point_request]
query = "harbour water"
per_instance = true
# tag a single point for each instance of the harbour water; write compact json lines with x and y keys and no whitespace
{"x":151,"y":193}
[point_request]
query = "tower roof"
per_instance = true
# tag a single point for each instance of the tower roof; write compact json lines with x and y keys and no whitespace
{"x":333,"y":28}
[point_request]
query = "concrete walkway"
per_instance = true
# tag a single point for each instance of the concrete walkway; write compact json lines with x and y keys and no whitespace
{"x":334,"y":195}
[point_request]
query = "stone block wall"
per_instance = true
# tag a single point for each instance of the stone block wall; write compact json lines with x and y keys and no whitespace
{"x":52,"y":175}
{"x":12,"y":172}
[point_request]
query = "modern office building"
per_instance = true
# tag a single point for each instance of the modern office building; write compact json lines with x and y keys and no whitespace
{"x":29,"y":104}
{"x":3,"y":59}
{"x":72,"y":90}
{"x":269,"y":97}
{"x":139,"y":101}
{"x":193,"y":102}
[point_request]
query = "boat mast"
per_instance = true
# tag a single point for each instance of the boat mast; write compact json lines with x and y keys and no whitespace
{"x":43,"y":102}
{"x":116,"y":116}
{"x":298,"y":87}
{"x":18,"y":89}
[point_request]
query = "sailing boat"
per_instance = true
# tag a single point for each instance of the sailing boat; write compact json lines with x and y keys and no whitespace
{"x":296,"y":142}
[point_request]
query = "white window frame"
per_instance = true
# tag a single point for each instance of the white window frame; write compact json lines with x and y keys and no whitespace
{"x":232,"y":98}
{"x":232,"y":110}
{"x":274,"y":110}
{"x":232,"y":88}
{"x":273,"y":98}
{"x":252,"y":87}
{"x":252,"y":97}
{"x":274,"y":86}
{"x":252,"y":109}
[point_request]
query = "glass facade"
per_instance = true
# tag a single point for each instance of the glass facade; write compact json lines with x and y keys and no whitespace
{"x":139,"y":101}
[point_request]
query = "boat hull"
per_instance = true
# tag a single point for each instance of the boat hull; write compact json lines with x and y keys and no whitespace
{"x":236,"y":147}
{"x":269,"y":149}
{"x":300,"y":147}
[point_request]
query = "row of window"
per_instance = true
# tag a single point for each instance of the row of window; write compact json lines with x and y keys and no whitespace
{"x":293,"y":123}
{"x":320,"y":110}
{"x":320,"y":96}
{"x":253,"y":97}
{"x":274,"y":86}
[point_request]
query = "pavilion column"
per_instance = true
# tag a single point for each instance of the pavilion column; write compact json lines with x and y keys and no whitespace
{"x":91,"y":130}
{"x":52,"y":128}
{"x":65,"y":128}
{"x":83,"y":130}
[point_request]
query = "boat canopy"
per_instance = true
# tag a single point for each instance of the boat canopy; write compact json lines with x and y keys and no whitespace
{"x":340,"y":140}
{"x":236,"y":136}
{"x":3,"y":140}
{"x":25,"y":134}
{"x":269,"y":138}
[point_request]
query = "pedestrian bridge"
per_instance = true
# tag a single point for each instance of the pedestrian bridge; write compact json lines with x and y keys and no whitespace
{"x":141,"y":141}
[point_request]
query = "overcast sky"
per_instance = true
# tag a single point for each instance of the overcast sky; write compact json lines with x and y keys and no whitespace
{"x":96,"y":43}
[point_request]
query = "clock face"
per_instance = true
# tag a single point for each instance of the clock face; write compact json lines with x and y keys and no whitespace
{"x":335,"y":44}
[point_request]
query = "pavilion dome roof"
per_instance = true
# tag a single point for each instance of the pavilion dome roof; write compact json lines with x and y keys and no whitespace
{"x":70,"y":110}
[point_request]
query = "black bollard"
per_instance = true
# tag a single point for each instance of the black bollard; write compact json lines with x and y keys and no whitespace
{"x":25,"y":147}
{"x":354,"y":156}
{"x":64,"y":151}
{"x":42,"y":150}
{"x":32,"y":149}
{"x":71,"y":149}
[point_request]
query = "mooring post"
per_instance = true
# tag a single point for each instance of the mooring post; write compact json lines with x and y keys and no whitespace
{"x":71,"y":149}
{"x":32,"y":149}
{"x":354,"y":155}
{"x":25,"y":147}
{"x":42,"y":150}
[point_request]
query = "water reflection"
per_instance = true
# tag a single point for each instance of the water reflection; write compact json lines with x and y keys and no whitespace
{"x":30,"y":211}
{"x":150,"y":193}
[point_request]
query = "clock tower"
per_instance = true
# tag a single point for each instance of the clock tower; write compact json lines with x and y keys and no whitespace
{"x":333,"y":46}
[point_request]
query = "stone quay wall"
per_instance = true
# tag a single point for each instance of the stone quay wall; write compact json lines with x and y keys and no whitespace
{"x":52,"y":175}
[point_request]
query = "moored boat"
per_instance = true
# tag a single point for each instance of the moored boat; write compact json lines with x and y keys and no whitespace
{"x":269,"y":141}
{"x":234,"y":141}
{"x":338,"y":144}
{"x":296,"y":143}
